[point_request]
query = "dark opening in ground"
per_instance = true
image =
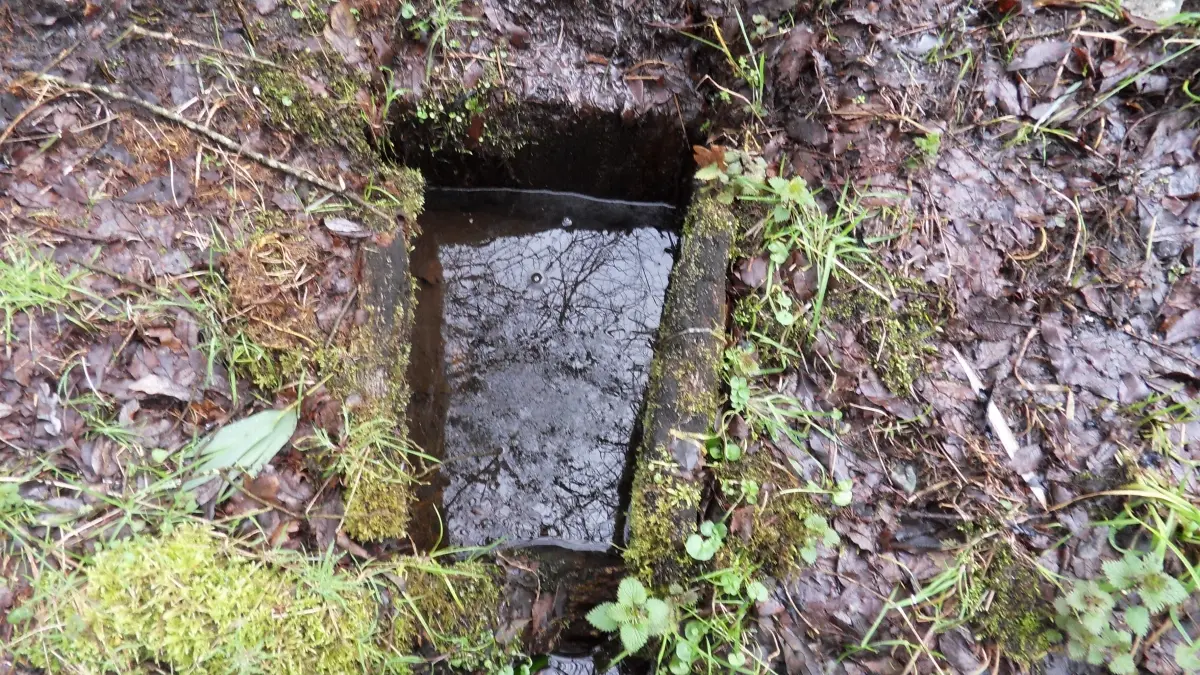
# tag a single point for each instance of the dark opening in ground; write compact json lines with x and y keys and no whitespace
{"x":536,"y":314}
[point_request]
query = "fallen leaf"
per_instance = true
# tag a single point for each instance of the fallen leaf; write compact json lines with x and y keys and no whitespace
{"x":246,"y":444}
{"x":706,"y":156}
{"x":157,"y":385}
{"x":1183,"y":327}
{"x":752,"y":271}
{"x":166,"y":337}
{"x":342,"y":33}
{"x":346,"y":228}
{"x":1152,"y":10}
{"x":1039,"y":54}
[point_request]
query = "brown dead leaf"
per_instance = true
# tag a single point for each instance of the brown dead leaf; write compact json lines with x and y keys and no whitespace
{"x":265,"y":486}
{"x":795,"y":54}
{"x":752,"y":271}
{"x":157,"y":385}
{"x":710,"y":155}
{"x":342,"y":33}
{"x":165,"y":336}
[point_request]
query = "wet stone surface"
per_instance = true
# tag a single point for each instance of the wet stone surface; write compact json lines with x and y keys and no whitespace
{"x":536,"y":314}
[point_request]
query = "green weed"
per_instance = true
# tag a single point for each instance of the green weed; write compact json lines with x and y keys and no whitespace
{"x":750,"y":68}
{"x":635,"y":616}
{"x":28,"y":281}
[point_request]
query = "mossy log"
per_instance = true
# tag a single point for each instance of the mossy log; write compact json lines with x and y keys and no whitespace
{"x":683,"y":398}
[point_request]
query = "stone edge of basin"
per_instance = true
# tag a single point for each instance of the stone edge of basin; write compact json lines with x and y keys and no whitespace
{"x":681,"y":405}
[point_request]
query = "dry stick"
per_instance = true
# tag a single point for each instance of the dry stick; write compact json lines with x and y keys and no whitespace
{"x":169,"y":37}
{"x":341,"y":315}
{"x":220,"y":139}
{"x":22,"y":115}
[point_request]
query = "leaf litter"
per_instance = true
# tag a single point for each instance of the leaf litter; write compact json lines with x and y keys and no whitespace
{"x":1080,"y":312}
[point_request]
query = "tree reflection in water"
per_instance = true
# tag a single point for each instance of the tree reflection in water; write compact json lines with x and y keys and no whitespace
{"x":546,"y":343}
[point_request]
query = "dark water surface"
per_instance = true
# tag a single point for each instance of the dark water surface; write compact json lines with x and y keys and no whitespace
{"x":535,"y":317}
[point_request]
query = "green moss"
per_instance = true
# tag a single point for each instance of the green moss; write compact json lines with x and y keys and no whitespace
{"x":1016,"y":616}
{"x":778,"y":531}
{"x":452,"y":118}
{"x":393,"y":187}
{"x":655,"y":553}
{"x":188,"y":602}
{"x":328,"y":118}
{"x":708,"y":217}
{"x":898,"y":335}
{"x":455,"y":610}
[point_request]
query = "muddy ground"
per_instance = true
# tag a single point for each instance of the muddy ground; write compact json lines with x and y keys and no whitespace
{"x":1017,"y":415}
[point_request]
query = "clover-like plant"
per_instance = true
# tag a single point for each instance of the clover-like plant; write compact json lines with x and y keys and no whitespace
{"x":703,"y":545}
{"x":635,"y":615}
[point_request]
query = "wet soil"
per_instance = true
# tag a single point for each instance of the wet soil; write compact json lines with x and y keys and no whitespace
{"x":536,"y":314}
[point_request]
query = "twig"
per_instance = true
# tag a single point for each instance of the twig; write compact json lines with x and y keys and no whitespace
{"x":22,"y":115}
{"x":1079,"y":226}
{"x":221,"y":140}
{"x":68,"y":232}
{"x":119,"y":277}
{"x":168,"y":37}
{"x":337,"y":323}
{"x":1057,"y":388}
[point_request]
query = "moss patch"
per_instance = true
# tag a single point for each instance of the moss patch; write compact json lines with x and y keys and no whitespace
{"x":188,"y":602}
{"x":897,"y":335}
{"x":778,"y":530}
{"x":455,"y":609}
{"x":655,"y":553}
{"x":314,"y":98}
{"x":1008,"y":608}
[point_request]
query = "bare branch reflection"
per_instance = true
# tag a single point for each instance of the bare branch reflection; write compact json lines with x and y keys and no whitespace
{"x":547,"y":340}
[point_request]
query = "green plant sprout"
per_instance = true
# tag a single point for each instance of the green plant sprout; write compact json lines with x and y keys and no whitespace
{"x":635,"y":615}
{"x":437,"y":24}
{"x":30,"y":282}
{"x":714,"y":630}
{"x":797,"y":223}
{"x":703,"y":545}
{"x":751,"y":68}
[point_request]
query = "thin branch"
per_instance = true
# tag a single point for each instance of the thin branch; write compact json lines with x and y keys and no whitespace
{"x":219,"y":139}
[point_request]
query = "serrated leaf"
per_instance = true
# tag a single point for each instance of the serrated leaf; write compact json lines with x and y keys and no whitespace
{"x":756,"y":591}
{"x":631,"y":592}
{"x":1188,"y":656}
{"x":658,"y":616}
{"x":1121,"y":573}
{"x":831,"y":539}
{"x":708,"y":173}
{"x":247,"y":444}
{"x":621,"y":613}
{"x":1161,"y":590}
{"x":1122,"y":664}
{"x":1138,"y":620}
{"x":600,"y":617}
{"x":633,"y":637}
{"x":1094,"y":622}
